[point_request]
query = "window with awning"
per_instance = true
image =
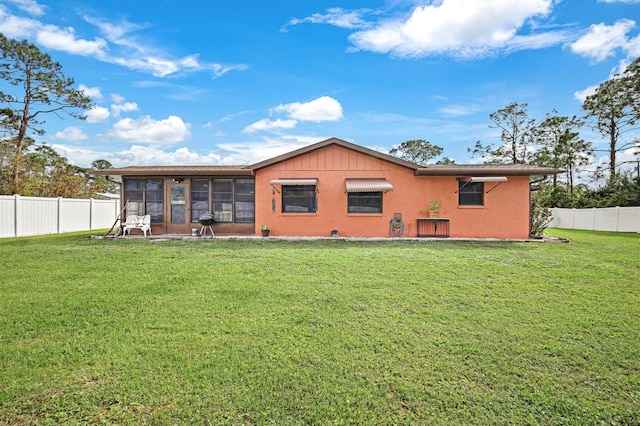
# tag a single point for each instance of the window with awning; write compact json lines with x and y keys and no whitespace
{"x":365,"y":195}
{"x":299,"y":195}
{"x":471,"y":189}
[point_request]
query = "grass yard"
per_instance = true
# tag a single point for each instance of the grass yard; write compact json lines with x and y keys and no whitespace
{"x":332,"y":332}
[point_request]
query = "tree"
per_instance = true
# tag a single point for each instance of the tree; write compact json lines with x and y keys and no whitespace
{"x":102,"y":183}
{"x":560,"y":146}
{"x":614,"y":109}
{"x":417,"y":151}
{"x":42,"y":88}
{"x":516,"y":133}
{"x":632,"y":80}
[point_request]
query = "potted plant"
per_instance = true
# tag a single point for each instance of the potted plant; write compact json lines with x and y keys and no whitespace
{"x":434,"y":208}
{"x":265,"y":230}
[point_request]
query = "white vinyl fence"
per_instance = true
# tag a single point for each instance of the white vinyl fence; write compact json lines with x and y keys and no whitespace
{"x":23,"y":216}
{"x":616,"y":219}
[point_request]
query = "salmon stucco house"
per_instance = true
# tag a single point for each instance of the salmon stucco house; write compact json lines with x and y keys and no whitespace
{"x":334,"y":187}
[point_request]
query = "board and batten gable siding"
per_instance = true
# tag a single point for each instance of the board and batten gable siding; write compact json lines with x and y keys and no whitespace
{"x":333,"y":158}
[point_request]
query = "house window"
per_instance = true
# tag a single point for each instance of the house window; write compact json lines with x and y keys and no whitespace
{"x":222,"y":194}
{"x":199,"y":198}
{"x":364,"y":202}
{"x":244,"y":202}
{"x":298,"y":198}
{"x":470,"y":193}
{"x":145,"y":196}
{"x":233,"y":200}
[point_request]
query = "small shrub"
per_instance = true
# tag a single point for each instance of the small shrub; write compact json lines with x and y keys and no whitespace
{"x":540,"y":218}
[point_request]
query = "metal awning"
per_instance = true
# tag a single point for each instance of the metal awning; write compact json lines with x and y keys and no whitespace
{"x":492,"y":179}
{"x":485,"y":179}
{"x":294,"y":182}
{"x":368,"y":185}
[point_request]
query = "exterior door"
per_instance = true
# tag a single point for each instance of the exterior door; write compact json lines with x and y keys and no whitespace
{"x":178,"y":214}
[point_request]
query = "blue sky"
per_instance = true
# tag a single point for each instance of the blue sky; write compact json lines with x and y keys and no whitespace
{"x":210,"y":82}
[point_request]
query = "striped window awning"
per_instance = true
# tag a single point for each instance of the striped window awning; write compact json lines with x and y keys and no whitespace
{"x":294,"y":182}
{"x":484,"y":179}
{"x":491,"y":179}
{"x":368,"y":185}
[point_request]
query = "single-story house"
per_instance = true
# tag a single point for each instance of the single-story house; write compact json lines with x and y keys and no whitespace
{"x":335,"y":187}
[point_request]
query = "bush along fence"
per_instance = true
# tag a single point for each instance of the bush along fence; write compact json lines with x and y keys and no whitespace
{"x":616,"y":219}
{"x":25,"y":216}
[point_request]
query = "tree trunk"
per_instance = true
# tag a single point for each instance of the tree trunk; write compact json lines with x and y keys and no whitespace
{"x":24,"y":125}
{"x":612,"y":151}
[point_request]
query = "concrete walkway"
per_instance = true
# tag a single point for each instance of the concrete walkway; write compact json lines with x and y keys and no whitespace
{"x":168,"y":237}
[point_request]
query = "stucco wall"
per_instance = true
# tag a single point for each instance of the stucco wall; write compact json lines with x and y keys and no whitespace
{"x":504,"y":215}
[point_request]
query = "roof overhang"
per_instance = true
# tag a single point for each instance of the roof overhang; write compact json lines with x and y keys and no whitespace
{"x":174,"y":171}
{"x":485,"y":170}
{"x":367,"y":185}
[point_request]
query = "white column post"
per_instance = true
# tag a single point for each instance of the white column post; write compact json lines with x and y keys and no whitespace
{"x":17,"y":212}
{"x":60,"y":226}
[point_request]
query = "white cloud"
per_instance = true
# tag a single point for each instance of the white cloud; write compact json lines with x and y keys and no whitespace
{"x":116,"y":98}
{"x":29,"y":6}
{"x":124,"y":50}
{"x":460,"y":110}
{"x":169,"y":131}
{"x":92,"y":92}
{"x":461,"y":28}
{"x":71,"y":134}
{"x":97,"y":114}
{"x":116,"y":109}
{"x":318,"y":110}
{"x":601,"y":41}
{"x":350,"y":19}
{"x":64,"y":39}
{"x":144,"y":57}
{"x":269,"y":125}
{"x":581,"y":95}
{"x":16,"y":27}
{"x":50,"y":36}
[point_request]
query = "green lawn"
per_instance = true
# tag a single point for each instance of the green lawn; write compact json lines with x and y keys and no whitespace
{"x":330,"y":332}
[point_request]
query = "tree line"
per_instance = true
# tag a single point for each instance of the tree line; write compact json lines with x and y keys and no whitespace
{"x":613,"y":111}
{"x":39,"y":87}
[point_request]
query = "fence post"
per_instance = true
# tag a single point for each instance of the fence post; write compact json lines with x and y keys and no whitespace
{"x":91,"y":206}
{"x":17,"y":211}
{"x":60,"y":230}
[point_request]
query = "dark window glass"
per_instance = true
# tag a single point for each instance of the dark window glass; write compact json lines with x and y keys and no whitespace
{"x":146,"y":196}
{"x":470,"y":193}
{"x":364,"y":202}
{"x":244,"y":201}
{"x":298,"y":198}
{"x":222,"y":195}
{"x":199,"y":198}
{"x":134,"y":194}
{"x":154,"y":199}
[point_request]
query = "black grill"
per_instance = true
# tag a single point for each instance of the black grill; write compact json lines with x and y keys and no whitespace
{"x":206,"y":219}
